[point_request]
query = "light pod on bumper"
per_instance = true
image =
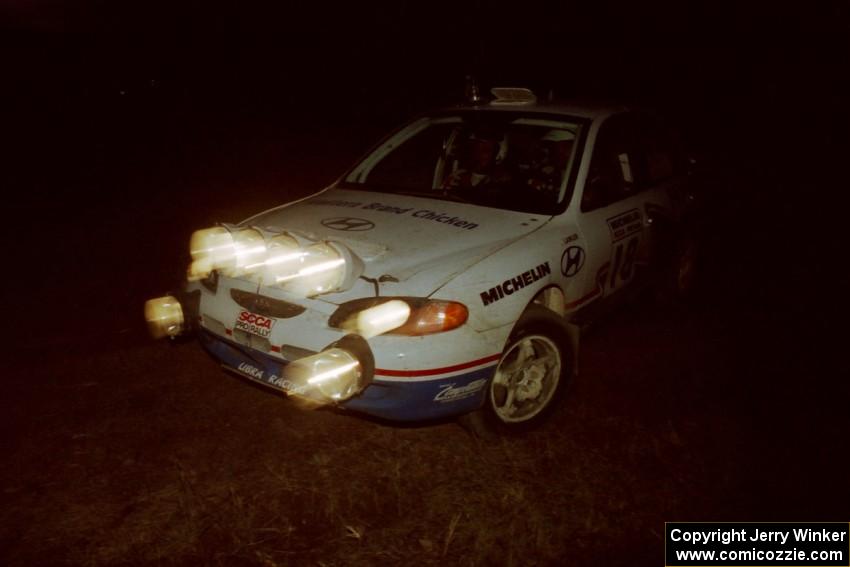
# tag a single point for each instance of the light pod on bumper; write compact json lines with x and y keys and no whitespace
{"x":336,"y":374}
{"x":164,"y":316}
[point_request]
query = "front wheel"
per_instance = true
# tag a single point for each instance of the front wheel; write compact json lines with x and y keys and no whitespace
{"x":531,"y":377}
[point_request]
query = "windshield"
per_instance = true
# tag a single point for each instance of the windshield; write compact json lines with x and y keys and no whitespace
{"x":496,"y":159}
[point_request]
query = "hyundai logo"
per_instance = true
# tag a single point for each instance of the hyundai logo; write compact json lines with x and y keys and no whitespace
{"x":572,"y":260}
{"x":350,"y":224}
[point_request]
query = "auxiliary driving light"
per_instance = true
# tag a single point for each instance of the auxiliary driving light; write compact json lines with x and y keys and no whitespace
{"x":283,"y":259}
{"x":321,"y":269}
{"x":234,"y":253}
{"x":211,"y":249}
{"x":164,"y":316}
{"x":335,"y":373}
{"x":249,"y":250}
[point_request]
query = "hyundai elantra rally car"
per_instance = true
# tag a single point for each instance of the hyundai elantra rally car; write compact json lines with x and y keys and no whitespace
{"x":451,"y":269}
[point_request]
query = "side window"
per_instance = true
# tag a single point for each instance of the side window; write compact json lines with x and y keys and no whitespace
{"x":658,"y":154}
{"x":614,"y":169}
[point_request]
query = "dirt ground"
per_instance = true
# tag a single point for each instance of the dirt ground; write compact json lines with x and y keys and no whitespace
{"x":121,"y":451}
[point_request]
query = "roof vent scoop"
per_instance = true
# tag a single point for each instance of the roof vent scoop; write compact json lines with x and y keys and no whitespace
{"x":512,"y":96}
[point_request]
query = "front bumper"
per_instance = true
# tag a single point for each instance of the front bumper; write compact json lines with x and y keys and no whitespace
{"x":410,"y":395}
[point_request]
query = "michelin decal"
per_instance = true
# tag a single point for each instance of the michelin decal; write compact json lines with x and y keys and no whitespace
{"x":516,"y":283}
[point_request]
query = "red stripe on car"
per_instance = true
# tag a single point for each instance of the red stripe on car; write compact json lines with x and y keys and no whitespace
{"x":433,"y":371}
{"x":581,"y":300}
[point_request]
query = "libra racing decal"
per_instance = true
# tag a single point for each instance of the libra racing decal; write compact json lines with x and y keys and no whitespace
{"x":516,"y":283}
{"x":259,"y":375}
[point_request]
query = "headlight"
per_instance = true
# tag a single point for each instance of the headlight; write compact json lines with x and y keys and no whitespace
{"x":164,"y":316}
{"x":426,"y":316}
{"x":434,"y":316}
{"x":379,"y":319}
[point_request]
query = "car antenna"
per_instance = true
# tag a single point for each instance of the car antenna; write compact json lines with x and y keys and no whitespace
{"x":472,"y":92}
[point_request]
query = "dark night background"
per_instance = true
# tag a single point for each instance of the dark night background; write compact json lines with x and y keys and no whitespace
{"x":128,"y":125}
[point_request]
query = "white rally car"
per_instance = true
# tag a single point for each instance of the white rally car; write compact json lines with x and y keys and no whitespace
{"x":449,"y":271}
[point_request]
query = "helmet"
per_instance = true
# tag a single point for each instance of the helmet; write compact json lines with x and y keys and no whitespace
{"x":493,"y":137}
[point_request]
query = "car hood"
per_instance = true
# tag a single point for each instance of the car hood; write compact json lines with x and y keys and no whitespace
{"x":412,"y":245}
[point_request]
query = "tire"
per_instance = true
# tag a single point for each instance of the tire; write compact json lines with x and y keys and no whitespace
{"x":532,"y":376}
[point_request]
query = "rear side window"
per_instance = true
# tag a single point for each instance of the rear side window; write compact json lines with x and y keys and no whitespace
{"x":658,"y":151}
{"x":614,"y":169}
{"x":632,"y":152}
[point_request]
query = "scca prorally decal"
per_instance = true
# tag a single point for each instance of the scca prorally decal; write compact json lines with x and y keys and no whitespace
{"x":254,"y":324}
{"x":450,"y":393}
{"x":516,"y":283}
{"x":572,"y":260}
{"x":625,"y":224}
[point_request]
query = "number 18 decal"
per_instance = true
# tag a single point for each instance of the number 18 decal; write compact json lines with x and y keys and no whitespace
{"x":622,"y":264}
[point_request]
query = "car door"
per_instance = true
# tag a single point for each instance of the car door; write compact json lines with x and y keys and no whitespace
{"x":612,"y":217}
{"x":662,"y":174}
